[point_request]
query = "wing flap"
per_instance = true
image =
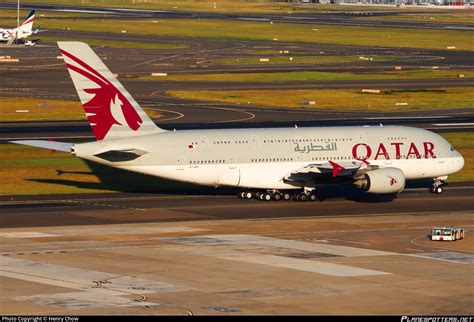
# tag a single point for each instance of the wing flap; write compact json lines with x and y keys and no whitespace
{"x":330,"y":169}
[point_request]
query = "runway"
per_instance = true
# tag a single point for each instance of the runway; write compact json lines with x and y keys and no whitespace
{"x":348,"y":18}
{"x":87,"y":209}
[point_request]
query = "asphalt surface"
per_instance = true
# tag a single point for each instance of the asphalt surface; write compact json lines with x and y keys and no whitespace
{"x":87,"y":209}
{"x":348,"y":18}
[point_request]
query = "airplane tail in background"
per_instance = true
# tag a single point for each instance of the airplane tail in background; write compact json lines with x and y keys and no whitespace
{"x":110,"y":109}
{"x":27,"y":25}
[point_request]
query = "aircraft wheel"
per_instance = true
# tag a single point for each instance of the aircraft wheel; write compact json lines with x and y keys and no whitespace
{"x":242,"y":194}
{"x":277,"y":196}
{"x":267,"y":197}
{"x":248,"y":195}
{"x":313,"y":197}
{"x":303,"y":197}
{"x":438,"y":189}
{"x":286,"y":196}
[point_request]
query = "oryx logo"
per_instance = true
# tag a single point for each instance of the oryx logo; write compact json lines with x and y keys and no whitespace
{"x":392,"y":181}
{"x":7,"y":34}
{"x":108,"y":106}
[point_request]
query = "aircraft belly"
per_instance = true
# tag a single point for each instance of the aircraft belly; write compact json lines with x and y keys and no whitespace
{"x":265,"y":175}
{"x":202,"y":175}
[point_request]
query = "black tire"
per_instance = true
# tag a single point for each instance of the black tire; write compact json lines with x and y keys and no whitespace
{"x":303,"y":197}
{"x":267,"y":197}
{"x":286,"y":196}
{"x":248,"y":195}
{"x":277,"y":196}
{"x":438,"y":190}
{"x":313,"y":197}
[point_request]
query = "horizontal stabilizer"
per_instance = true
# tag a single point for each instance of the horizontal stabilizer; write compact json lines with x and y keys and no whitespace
{"x":50,"y":145}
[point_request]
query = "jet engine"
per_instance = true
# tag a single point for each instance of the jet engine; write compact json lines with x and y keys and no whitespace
{"x":383,"y":181}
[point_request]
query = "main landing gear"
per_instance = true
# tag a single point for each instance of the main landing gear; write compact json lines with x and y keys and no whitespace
{"x":277,"y":195}
{"x":306,"y":196}
{"x":437,"y":186}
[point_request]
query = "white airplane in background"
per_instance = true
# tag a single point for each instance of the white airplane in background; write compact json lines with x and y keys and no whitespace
{"x":264,"y":163}
{"x":23,"y":31}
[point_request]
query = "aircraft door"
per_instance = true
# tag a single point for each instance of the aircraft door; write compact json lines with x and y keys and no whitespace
{"x":232,"y":162}
{"x":180,"y":162}
{"x":440,"y":156}
{"x":205,"y":144}
{"x":255,"y":142}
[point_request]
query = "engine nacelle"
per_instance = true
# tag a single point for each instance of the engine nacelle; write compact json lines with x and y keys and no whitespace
{"x":383,"y":181}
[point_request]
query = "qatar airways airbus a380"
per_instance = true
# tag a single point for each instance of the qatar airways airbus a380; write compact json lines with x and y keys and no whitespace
{"x":263,"y":163}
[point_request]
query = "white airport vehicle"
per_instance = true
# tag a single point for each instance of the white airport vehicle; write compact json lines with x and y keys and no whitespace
{"x":447,"y":233}
{"x":19,"y":34}
{"x":264,"y":163}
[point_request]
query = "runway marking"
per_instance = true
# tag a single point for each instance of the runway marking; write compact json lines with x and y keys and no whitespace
{"x":180,"y":115}
{"x":204,"y":106}
{"x":306,"y":265}
{"x":269,"y":252}
{"x":349,"y":241}
{"x":100,"y":231}
{"x":100,"y":204}
{"x":453,"y":124}
{"x":407,"y":117}
{"x":452,"y":257}
{"x":84,"y":281}
{"x":412,"y":241}
{"x":304,"y":246}
{"x":27,"y":234}
{"x":358,"y":230}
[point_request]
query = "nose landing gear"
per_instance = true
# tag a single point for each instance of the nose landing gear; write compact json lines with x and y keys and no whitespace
{"x":438,"y":184}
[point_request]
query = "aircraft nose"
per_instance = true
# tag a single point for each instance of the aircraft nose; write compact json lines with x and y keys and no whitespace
{"x":460,"y":162}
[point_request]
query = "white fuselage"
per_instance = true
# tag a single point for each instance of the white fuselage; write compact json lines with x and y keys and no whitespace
{"x":7,"y":34}
{"x":262,"y":158}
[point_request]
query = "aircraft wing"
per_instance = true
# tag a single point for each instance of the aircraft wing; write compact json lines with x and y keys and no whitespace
{"x":50,"y":145}
{"x":326,"y":170}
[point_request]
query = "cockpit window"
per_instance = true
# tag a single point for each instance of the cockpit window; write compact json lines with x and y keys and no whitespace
{"x":452,"y":149}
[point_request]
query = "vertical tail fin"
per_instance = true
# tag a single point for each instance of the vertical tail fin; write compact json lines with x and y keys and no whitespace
{"x":27,"y":25}
{"x":111,"y":110}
